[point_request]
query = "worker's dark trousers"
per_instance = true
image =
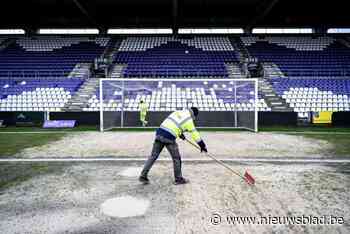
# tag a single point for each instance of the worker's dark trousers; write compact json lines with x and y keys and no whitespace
{"x":173,"y":149}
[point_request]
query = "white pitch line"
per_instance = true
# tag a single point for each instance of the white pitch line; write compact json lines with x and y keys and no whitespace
{"x":310,"y":132}
{"x":277,"y":132}
{"x":39,"y":132}
{"x":139,"y":159}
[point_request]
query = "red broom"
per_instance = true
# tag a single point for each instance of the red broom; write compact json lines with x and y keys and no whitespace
{"x":249,"y":178}
{"x":246,"y":177}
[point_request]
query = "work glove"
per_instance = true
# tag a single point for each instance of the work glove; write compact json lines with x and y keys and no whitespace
{"x":203,"y":146}
{"x":182,"y":136}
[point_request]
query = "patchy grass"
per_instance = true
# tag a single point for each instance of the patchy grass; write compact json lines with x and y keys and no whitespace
{"x":12,"y":174}
{"x":314,"y":128}
{"x":341,"y":143}
{"x":11,"y":144}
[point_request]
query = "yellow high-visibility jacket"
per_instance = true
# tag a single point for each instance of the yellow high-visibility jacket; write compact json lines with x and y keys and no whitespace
{"x":179,"y":122}
{"x":143,"y":108}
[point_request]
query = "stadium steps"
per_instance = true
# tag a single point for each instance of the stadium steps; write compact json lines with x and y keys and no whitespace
{"x":234,"y":71}
{"x":271,"y":70}
{"x":345,"y":41}
{"x":238,"y":45}
{"x":6,"y":43}
{"x":272,"y":99}
{"x":82,"y":96}
{"x":117,"y":71}
{"x":112,"y":48}
{"x":243,"y":52}
{"x":81,"y":70}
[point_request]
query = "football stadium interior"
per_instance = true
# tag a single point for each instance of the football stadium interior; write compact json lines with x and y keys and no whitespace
{"x":73,"y":74}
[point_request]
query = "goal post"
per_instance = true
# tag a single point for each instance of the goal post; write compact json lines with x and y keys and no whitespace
{"x":223,"y":103}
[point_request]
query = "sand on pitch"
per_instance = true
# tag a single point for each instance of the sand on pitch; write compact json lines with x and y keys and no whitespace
{"x":139,"y":144}
{"x":70,"y":201}
{"x":126,"y":206}
{"x":131,"y":172}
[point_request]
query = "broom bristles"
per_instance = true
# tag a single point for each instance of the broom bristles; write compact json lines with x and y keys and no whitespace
{"x":249,"y":178}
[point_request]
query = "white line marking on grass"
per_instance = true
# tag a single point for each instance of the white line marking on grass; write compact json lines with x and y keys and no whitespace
{"x":277,"y":132}
{"x":140,"y":159}
{"x":310,"y":132}
{"x":39,"y":132}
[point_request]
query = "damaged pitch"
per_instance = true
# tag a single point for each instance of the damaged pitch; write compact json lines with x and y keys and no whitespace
{"x":96,"y":198}
{"x":126,"y":206}
{"x":131,"y":172}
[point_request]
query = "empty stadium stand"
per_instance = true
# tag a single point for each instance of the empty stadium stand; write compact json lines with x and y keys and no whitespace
{"x":305,"y":95}
{"x":207,"y":97}
{"x":47,"y":73}
{"x":171,"y":57}
{"x":43,"y":57}
{"x":302,"y":56}
{"x":34,"y":71}
{"x":309,"y":73}
{"x":45,"y":94}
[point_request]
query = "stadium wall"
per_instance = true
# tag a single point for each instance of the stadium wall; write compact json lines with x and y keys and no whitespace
{"x":22,"y":118}
{"x":205,"y":119}
{"x":93,"y":118}
{"x":278,"y":118}
{"x":155,"y":118}
{"x":341,"y":119}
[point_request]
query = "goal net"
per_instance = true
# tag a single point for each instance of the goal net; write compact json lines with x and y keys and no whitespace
{"x":223,"y":103}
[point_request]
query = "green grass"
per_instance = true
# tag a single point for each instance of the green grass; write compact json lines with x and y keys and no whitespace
{"x":314,"y":128}
{"x":40,"y":129}
{"x":11,"y":144}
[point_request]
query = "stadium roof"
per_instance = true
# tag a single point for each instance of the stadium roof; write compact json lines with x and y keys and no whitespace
{"x":34,"y":14}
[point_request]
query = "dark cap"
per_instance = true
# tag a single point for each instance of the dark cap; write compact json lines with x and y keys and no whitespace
{"x":195,"y":111}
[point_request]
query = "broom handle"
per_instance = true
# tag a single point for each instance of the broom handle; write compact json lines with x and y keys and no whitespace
{"x":216,"y":160}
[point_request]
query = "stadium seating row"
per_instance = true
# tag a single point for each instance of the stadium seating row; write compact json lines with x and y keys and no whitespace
{"x":309,"y":59}
{"x":204,"y":43}
{"x":175,"y":59}
{"x":50,"y":43}
{"x":314,"y":94}
{"x":211,"y":97}
{"x":48,"y":57}
{"x":305,"y":43}
{"x":329,"y":61}
{"x":36,"y":94}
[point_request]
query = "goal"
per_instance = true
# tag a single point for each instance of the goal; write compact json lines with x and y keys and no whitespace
{"x":223,"y":103}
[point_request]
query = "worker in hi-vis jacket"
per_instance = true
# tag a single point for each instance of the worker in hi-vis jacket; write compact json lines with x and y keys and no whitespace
{"x":143,"y":112}
{"x":172,"y":128}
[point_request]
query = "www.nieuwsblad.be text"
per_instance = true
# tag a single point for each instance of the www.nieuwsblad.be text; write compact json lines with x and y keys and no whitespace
{"x":217,"y":219}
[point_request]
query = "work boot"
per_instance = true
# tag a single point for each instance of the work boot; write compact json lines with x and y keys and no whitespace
{"x":144,"y":179}
{"x":181,"y":181}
